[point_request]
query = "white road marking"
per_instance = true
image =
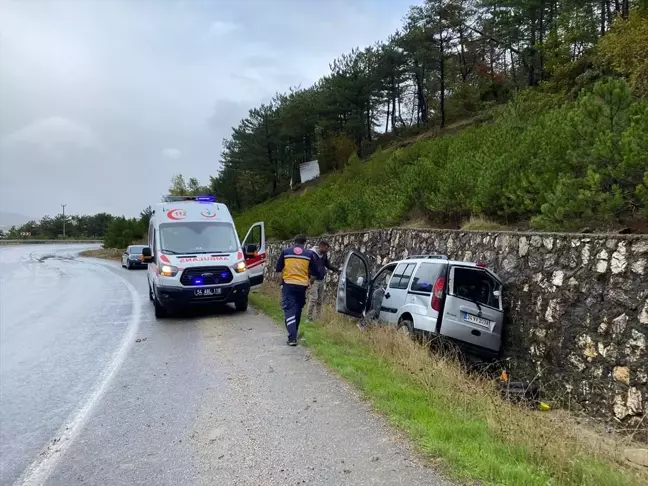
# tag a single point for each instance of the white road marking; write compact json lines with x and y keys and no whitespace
{"x":40,"y":470}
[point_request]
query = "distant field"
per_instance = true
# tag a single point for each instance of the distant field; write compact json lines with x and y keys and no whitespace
{"x":105,"y":253}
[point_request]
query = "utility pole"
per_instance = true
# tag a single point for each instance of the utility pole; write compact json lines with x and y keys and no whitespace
{"x":63,"y":206}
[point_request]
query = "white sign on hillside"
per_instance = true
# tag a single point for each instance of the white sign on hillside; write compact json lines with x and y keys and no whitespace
{"x":309,"y":170}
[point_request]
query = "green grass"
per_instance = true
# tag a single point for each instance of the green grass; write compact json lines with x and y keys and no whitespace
{"x":457,"y":422}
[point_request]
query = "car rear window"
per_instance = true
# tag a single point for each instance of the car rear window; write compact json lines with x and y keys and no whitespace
{"x":402,"y":275}
{"x":476,"y":285}
{"x":425,"y":276}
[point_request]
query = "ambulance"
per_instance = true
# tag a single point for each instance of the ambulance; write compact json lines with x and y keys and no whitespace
{"x":195,"y":257}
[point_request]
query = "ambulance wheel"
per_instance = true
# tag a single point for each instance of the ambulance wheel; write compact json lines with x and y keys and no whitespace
{"x":160,"y":310}
{"x":241,"y":304}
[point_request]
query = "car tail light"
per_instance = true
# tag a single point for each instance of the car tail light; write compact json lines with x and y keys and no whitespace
{"x":481,"y":265}
{"x":437,"y":293}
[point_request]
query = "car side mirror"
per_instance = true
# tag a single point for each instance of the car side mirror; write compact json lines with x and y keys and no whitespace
{"x":147,"y":255}
{"x":251,"y":250}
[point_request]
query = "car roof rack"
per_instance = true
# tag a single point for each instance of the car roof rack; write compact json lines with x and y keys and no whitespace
{"x":431,"y":256}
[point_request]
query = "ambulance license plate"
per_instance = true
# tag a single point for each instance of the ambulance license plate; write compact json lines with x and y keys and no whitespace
{"x":206,"y":292}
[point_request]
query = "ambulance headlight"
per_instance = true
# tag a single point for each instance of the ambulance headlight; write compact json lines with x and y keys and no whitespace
{"x":168,"y":271}
{"x":240,"y":267}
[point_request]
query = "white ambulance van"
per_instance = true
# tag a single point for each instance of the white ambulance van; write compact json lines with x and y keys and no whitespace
{"x":195,"y":257}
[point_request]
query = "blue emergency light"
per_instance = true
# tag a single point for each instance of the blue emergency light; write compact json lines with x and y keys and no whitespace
{"x":197,"y":281}
{"x":202,"y":199}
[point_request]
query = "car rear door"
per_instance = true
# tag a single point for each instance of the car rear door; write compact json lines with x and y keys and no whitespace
{"x":353,"y":287}
{"x":254,"y":249}
{"x":473,"y":312}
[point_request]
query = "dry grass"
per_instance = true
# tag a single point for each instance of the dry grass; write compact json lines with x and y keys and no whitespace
{"x":479,"y":223}
{"x":105,"y":253}
{"x":458,"y":418}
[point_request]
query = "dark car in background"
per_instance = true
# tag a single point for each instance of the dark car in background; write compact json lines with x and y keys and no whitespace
{"x":132,"y":257}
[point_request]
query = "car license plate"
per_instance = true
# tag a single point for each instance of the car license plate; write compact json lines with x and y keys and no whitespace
{"x":480,"y":321}
{"x":206,"y":292}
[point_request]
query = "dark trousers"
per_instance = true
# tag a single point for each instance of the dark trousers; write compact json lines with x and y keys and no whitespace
{"x":293,"y":298}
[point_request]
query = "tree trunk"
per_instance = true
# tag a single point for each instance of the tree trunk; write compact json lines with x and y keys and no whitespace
{"x":422,"y":112}
{"x":540,"y":40}
{"x":387,"y":116}
{"x":442,"y":81}
{"x":532,"y":51}
{"x":462,"y":56}
{"x":625,"y":9}
{"x":394,"y":95}
{"x":602,"y":18}
{"x":369,"y":121}
{"x":270,"y":159}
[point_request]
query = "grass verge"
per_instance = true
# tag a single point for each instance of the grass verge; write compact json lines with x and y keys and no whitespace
{"x":479,"y":223}
{"x":458,"y":421}
{"x":105,"y":253}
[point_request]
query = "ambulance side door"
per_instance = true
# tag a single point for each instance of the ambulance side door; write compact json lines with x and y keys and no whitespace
{"x":256,"y":256}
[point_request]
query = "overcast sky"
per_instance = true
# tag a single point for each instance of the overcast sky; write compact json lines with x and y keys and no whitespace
{"x":103,"y":101}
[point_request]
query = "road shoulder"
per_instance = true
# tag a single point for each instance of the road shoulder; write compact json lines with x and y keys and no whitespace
{"x":281,"y":417}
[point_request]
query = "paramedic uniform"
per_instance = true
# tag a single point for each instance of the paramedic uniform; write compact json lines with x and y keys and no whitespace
{"x":296,"y":264}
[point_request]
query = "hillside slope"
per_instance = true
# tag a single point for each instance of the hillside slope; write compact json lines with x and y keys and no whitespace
{"x":549,"y":163}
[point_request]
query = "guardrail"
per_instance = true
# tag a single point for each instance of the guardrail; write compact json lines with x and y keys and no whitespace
{"x":44,"y":242}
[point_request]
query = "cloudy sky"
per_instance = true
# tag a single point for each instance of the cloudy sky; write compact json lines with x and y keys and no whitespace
{"x":103,"y":101}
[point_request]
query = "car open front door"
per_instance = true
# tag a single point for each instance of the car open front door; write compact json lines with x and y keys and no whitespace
{"x":353,"y":287}
{"x":472,"y":312}
{"x":254,"y":248}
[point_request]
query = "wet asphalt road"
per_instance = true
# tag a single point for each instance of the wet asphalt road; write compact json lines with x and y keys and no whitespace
{"x":94,"y":390}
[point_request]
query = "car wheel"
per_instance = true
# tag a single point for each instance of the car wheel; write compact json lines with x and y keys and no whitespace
{"x":150,"y":292}
{"x":406,"y":327}
{"x":241,"y":304}
{"x":128,"y":265}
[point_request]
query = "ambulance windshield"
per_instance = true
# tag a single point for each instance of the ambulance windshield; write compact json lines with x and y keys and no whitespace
{"x":197,"y":237}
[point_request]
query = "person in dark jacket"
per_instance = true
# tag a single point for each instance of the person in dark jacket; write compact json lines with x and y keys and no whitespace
{"x":297,"y":265}
{"x":316,"y":293}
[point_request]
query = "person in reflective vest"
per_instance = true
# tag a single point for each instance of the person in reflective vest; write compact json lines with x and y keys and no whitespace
{"x":297,"y":266}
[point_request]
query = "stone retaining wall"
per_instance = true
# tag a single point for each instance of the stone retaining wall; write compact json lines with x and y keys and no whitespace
{"x":577,"y":306}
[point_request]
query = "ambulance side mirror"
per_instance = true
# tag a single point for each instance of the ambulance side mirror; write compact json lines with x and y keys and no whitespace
{"x":147,"y":255}
{"x":250,"y":250}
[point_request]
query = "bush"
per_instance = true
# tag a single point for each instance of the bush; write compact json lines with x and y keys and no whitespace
{"x":122,"y":232}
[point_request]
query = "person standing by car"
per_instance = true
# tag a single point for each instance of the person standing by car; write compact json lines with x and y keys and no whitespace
{"x":296,"y":265}
{"x":316,"y":294}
